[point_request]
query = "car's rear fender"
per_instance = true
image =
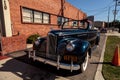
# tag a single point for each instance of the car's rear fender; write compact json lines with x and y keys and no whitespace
{"x":98,"y":39}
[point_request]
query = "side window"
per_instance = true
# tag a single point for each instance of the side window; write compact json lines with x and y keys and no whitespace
{"x":90,"y":26}
{"x":33,"y":16}
{"x":37,"y":17}
{"x":83,"y":25}
{"x":66,"y":24}
{"x":27,"y":15}
{"x":46,"y":17}
{"x":74,"y":23}
{"x":61,"y":20}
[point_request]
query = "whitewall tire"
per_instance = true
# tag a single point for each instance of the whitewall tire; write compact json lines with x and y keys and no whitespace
{"x":83,"y":66}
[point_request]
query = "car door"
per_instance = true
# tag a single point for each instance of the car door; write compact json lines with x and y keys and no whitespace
{"x":92,"y":35}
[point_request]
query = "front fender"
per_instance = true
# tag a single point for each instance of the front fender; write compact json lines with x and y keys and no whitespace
{"x":81,"y":46}
{"x":38,"y":43}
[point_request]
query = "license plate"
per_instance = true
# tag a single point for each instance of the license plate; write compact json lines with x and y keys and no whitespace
{"x":70,"y":58}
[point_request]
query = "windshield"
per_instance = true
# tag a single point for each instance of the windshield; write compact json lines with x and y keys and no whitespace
{"x":75,"y":24}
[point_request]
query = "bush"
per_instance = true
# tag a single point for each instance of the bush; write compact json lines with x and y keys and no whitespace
{"x":32,"y":38}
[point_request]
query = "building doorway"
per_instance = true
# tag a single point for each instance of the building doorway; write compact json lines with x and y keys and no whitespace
{"x":0,"y":34}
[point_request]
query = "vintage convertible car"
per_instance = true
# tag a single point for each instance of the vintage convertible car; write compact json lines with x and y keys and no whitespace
{"x":68,"y":48}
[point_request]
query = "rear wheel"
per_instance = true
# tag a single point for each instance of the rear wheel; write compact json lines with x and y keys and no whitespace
{"x":83,"y":66}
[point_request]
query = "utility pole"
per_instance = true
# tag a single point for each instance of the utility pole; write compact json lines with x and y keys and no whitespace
{"x":62,"y":7}
{"x":108,"y":16}
{"x":115,"y":11}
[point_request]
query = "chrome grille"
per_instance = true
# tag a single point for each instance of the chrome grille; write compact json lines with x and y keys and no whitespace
{"x":52,"y":43}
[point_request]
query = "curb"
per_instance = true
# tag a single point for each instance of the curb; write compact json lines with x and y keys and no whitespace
{"x":98,"y":75}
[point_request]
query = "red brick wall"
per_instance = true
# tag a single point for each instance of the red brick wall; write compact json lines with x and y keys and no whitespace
{"x":11,"y":44}
{"x":49,"y":6}
{"x":26,"y":29}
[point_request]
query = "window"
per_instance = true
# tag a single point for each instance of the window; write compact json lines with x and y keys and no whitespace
{"x":61,"y":20}
{"x":74,"y":23}
{"x":27,"y":15}
{"x":33,"y":16}
{"x":37,"y":17}
{"x":45,"y":18}
{"x":83,"y":25}
{"x":66,"y":19}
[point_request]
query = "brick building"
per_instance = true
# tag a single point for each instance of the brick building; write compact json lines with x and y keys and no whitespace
{"x":100,"y":24}
{"x":21,"y":18}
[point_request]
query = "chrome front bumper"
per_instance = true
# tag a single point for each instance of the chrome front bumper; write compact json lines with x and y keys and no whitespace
{"x":57,"y":64}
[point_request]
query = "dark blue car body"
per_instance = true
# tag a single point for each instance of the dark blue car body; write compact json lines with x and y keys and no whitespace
{"x":67,"y":48}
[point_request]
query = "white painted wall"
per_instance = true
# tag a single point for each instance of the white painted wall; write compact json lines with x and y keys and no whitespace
{"x":7,"y":19}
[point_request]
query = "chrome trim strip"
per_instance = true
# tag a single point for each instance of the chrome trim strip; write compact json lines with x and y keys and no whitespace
{"x":92,"y":38}
{"x":56,"y":64}
{"x":76,"y":33}
{"x":48,"y":44}
{"x":71,"y":66}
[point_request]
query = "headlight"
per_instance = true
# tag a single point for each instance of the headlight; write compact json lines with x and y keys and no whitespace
{"x":70,"y":47}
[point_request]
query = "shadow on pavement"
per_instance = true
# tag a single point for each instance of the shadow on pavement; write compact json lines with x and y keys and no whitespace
{"x":20,"y":70}
{"x":109,"y":63}
{"x":44,"y":67}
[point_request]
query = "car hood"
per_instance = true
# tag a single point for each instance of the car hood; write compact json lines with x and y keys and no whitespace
{"x":67,"y":31}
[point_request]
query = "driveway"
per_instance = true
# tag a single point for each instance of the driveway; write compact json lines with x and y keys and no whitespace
{"x":19,"y":67}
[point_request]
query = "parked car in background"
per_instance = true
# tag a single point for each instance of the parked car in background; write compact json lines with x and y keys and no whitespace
{"x":68,"y":48}
{"x":103,"y":30}
{"x":116,"y":29}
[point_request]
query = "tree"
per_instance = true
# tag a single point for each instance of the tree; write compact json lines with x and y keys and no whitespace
{"x":117,"y":24}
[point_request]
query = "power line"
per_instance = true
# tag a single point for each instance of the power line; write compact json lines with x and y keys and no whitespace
{"x":100,"y":8}
{"x":101,"y":12}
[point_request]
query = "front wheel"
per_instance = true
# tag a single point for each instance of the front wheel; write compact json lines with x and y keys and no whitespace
{"x":83,"y":66}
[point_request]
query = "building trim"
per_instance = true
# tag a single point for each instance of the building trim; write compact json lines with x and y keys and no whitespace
{"x":7,"y":30}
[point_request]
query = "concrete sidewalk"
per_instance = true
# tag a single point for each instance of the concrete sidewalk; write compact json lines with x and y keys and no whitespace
{"x":11,"y":69}
{"x":99,"y":75}
{"x":112,"y":34}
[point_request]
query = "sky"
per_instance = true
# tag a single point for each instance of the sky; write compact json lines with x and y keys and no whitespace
{"x":98,"y":8}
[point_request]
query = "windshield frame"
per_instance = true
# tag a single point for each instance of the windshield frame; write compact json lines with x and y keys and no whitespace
{"x":78,"y":26}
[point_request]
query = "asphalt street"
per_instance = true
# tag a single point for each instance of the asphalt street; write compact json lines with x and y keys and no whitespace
{"x":47,"y":72}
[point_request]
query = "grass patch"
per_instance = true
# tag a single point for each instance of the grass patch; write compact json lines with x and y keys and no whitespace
{"x":109,"y":71}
